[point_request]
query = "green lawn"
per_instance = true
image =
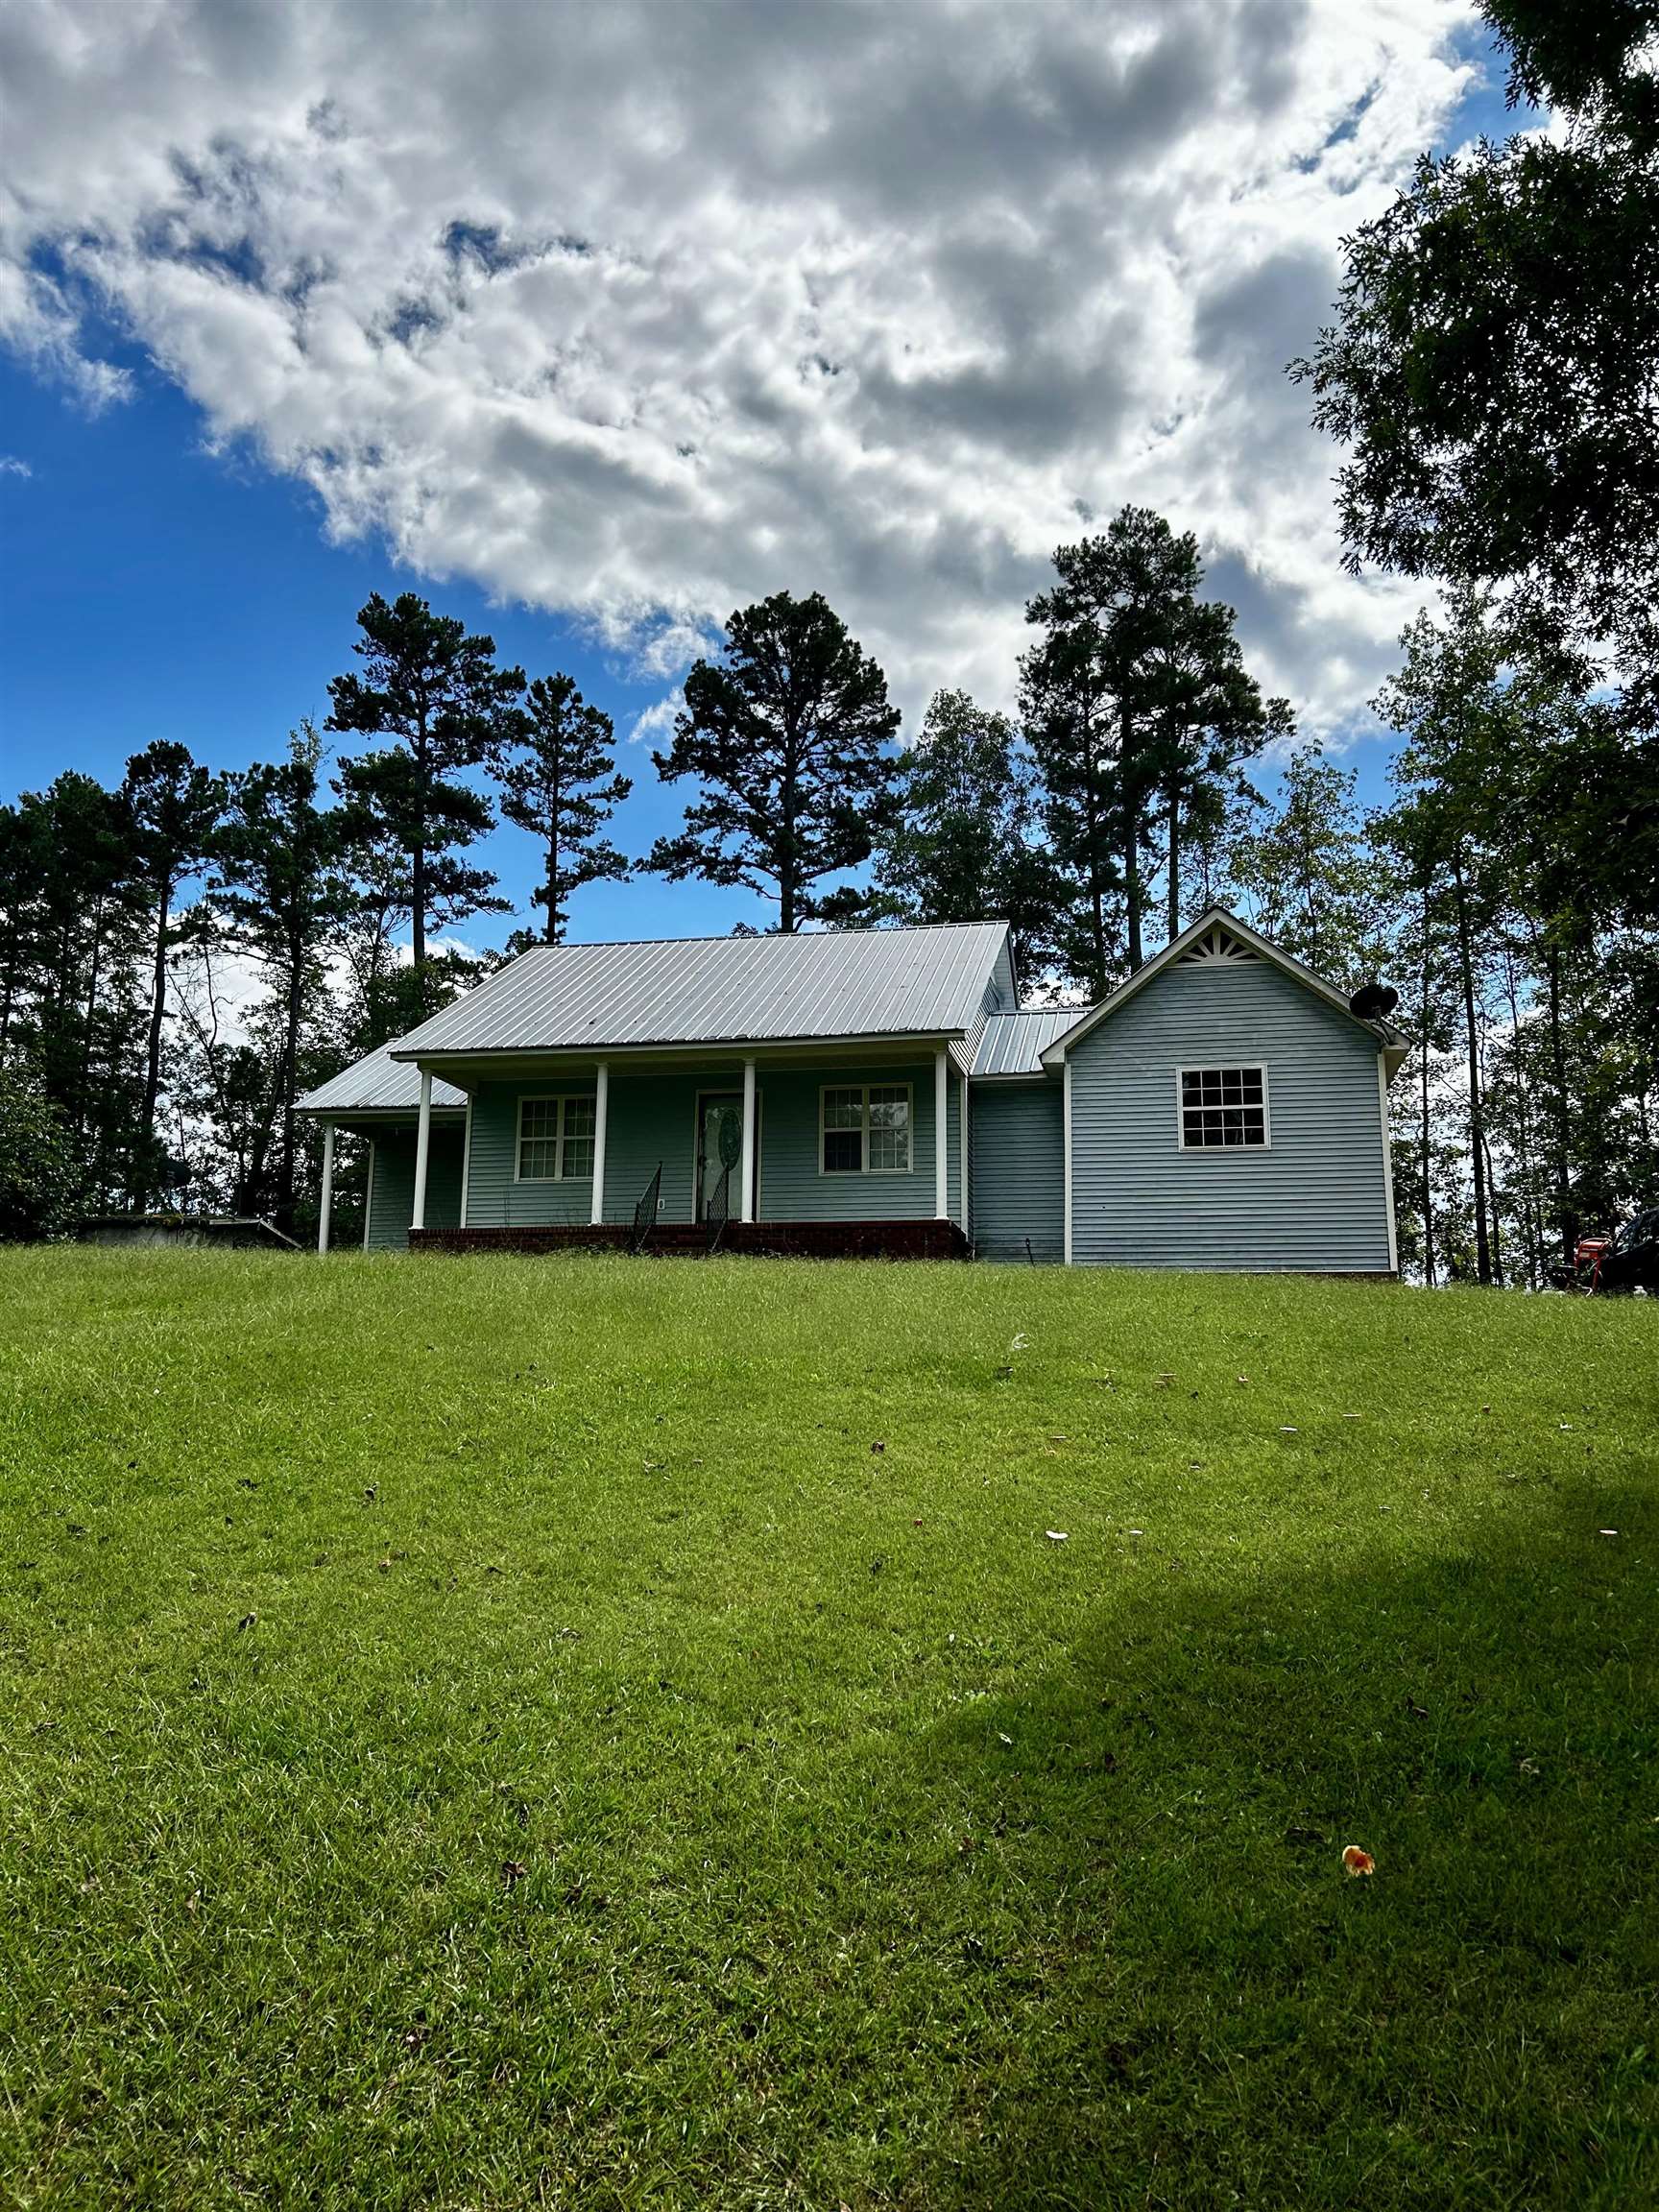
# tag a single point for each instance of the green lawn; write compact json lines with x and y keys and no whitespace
{"x":581,"y":1732}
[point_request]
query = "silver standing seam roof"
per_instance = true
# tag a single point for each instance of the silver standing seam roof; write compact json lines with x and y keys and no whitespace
{"x":1014,"y":1043}
{"x":377,"y":1085}
{"x":723,"y":990}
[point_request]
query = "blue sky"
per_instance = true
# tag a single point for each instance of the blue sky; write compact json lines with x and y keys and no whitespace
{"x":217,"y":459}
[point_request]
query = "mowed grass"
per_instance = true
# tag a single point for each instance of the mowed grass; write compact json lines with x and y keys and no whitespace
{"x":581,"y":1732}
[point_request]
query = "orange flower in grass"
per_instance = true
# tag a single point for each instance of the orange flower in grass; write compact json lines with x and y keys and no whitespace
{"x":1356,"y":1861}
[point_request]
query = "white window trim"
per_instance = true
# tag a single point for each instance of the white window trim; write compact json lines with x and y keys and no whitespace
{"x":1222,"y":1152}
{"x":845,"y":1174}
{"x":561,"y":1099}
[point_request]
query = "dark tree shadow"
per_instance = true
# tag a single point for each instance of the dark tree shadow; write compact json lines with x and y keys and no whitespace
{"x":1186,"y":2001}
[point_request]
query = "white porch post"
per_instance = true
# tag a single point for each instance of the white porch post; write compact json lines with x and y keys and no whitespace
{"x":327,"y":1208}
{"x":423,"y":1146}
{"x":942,"y":1134}
{"x":601,"y":1114}
{"x":466,"y":1160}
{"x":746,"y":1204}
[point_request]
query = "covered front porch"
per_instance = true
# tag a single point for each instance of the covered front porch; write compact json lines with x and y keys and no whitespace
{"x":827,"y":1148}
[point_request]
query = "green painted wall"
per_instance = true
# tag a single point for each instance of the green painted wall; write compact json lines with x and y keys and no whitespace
{"x":392,"y":1188}
{"x":653,"y":1120}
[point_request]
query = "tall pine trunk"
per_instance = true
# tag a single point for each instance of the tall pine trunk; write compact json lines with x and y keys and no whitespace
{"x":1174,"y":863}
{"x":1428,"y":1149}
{"x":1132,"y":888}
{"x":1476,"y":1107}
{"x":144,"y":1175}
{"x":1565,"y":1218}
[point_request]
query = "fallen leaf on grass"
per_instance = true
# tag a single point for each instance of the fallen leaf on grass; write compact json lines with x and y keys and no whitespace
{"x":1001,"y":1739}
{"x":513,"y":1872}
{"x":878,"y":1447}
{"x":1056,"y":1535}
{"x":1357,"y":1863}
{"x":247,"y":1622}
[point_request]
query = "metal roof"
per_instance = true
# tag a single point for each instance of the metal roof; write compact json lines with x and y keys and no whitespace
{"x":723,"y":990}
{"x":377,"y":1085}
{"x":1013,"y":1043}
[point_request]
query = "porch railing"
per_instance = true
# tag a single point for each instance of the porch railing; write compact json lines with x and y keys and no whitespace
{"x":645,"y":1213}
{"x":718,"y":1211}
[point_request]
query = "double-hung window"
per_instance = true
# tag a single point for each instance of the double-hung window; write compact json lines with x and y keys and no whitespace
{"x":865,"y":1129}
{"x":556,"y":1138}
{"x":1223,"y":1109}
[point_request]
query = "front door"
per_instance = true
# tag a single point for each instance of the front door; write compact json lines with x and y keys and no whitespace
{"x":720,"y":1146}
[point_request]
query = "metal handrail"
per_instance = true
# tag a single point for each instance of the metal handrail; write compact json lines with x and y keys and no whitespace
{"x":645,"y":1213}
{"x":718,"y":1211}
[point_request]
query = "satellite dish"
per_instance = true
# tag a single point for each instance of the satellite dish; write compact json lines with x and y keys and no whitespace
{"x":1374,"y":1002}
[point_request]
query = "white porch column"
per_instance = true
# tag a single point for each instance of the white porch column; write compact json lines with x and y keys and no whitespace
{"x":466,"y":1160}
{"x":423,"y":1146}
{"x":601,"y":1114}
{"x":746,"y":1204}
{"x":942,"y":1134}
{"x":325,"y":1211}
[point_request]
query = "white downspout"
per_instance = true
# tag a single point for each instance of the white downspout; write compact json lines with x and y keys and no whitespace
{"x":1067,"y":1143}
{"x":1387,"y":1163}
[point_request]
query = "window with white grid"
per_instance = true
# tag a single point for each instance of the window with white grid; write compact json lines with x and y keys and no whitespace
{"x":556,"y":1138}
{"x":1223,"y":1109}
{"x":865,"y":1129}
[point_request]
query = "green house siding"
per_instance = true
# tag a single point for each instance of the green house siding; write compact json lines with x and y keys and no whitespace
{"x":1017,"y":1152}
{"x":392,"y":1186}
{"x":1315,"y":1200}
{"x":652,"y":1121}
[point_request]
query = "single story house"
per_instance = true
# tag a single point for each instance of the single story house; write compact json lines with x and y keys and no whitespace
{"x":884,"y":1090}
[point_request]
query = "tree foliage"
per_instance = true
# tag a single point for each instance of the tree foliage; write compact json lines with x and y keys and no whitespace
{"x":436,"y":692}
{"x":787,"y":735}
{"x":558,"y":783}
{"x":1494,"y":370}
{"x":966,"y":845}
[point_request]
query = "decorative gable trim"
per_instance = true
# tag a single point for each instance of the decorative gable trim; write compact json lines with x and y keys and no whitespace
{"x":1217,"y":943}
{"x":1200,"y":938}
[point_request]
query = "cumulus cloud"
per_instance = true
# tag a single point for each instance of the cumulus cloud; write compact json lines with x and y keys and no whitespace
{"x":656,"y":725}
{"x":636,"y":314}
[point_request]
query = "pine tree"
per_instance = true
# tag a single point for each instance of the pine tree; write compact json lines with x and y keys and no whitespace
{"x":282,"y":891}
{"x":175,"y":806}
{"x":965,"y":848}
{"x":436,"y":692}
{"x":787,"y":734}
{"x":558,"y":783}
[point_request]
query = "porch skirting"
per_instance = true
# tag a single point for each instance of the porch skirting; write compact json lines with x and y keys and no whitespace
{"x":782,"y":1239}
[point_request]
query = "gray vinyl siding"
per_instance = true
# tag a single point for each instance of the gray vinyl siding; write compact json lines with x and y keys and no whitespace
{"x":1017,"y":1151}
{"x":1315,"y":1200}
{"x":651,"y":1119}
{"x":392,"y":1196}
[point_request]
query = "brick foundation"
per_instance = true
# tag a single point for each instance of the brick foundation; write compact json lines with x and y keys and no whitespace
{"x":781,"y":1239}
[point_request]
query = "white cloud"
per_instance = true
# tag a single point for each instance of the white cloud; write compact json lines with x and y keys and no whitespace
{"x":10,"y":465}
{"x":656,"y":725}
{"x":639,"y":314}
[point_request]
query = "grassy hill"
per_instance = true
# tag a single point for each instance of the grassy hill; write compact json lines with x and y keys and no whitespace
{"x":592,"y":1733}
